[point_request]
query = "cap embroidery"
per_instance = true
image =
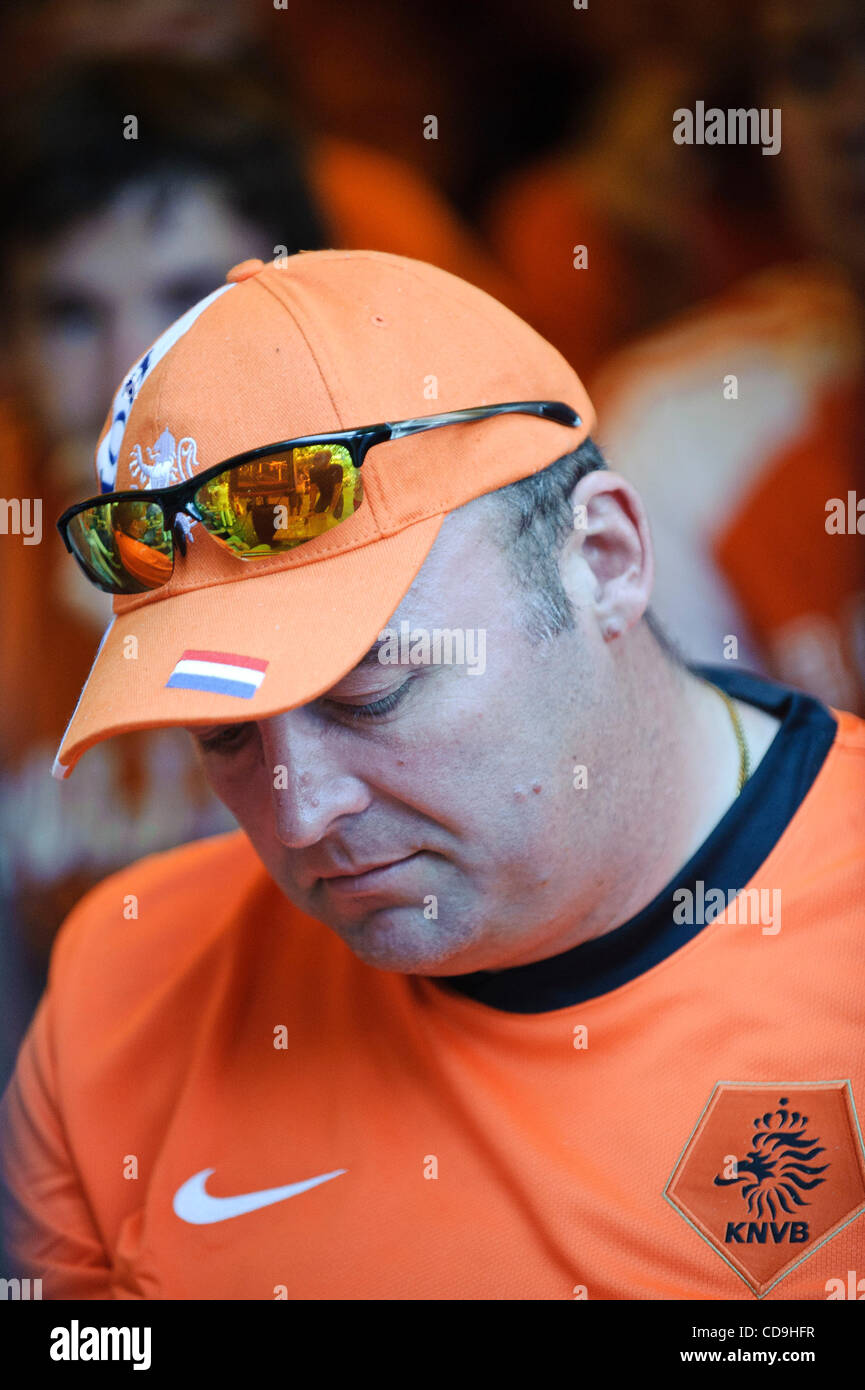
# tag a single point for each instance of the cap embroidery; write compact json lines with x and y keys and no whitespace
{"x":170,"y":462}
{"x":108,"y":452}
{"x":220,"y":673}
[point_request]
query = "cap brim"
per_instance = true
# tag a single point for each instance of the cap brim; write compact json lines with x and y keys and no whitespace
{"x":244,"y":651}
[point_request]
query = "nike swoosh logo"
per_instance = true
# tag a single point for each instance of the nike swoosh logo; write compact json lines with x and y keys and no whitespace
{"x":193,"y":1203}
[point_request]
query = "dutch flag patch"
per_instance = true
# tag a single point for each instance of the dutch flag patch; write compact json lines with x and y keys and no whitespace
{"x":220,"y":673}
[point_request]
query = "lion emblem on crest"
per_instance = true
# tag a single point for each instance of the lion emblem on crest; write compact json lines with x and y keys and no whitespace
{"x":778,"y":1168}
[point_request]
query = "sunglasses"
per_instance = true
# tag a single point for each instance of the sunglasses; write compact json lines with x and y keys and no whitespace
{"x":257,"y":504}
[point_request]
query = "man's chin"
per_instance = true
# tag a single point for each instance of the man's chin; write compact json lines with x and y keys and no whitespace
{"x":408,"y":937}
{"x":402,"y":939}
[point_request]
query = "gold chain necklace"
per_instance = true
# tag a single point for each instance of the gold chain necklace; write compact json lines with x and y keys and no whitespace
{"x":744,"y":759}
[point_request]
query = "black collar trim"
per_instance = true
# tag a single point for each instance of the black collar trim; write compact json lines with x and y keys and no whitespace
{"x":730,"y":856}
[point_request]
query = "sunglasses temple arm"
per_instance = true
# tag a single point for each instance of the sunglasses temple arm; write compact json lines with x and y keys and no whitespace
{"x":429,"y":422}
{"x":551,"y":410}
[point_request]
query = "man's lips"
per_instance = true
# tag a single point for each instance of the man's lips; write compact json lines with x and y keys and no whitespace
{"x":370,"y":878}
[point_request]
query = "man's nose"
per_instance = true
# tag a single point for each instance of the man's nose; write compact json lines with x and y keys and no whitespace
{"x":311,"y":786}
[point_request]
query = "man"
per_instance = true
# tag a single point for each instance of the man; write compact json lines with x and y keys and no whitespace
{"x":473,"y":1006}
{"x":743,"y":423}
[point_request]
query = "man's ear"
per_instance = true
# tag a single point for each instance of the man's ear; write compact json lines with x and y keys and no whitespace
{"x":608,"y":564}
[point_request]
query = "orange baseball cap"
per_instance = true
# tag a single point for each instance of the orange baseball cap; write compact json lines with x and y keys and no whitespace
{"x":313,"y":343}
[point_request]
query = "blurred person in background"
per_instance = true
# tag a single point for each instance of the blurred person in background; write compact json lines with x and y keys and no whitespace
{"x":743,"y":423}
{"x":616,"y":228}
{"x":623,"y":197}
{"x":112,"y":229}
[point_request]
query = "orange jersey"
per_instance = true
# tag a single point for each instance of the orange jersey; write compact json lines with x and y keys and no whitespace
{"x":217,"y":1099}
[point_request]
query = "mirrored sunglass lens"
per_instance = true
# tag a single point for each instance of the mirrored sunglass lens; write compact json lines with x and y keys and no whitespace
{"x":123,"y":546}
{"x":281,"y":500}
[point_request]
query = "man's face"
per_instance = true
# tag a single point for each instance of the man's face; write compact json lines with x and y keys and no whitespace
{"x":816,"y":59}
{"x":461,"y":783}
{"x":89,"y":302}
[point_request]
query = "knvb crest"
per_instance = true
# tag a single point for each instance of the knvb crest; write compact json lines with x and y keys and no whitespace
{"x":778,"y":1169}
{"x":799,"y":1181}
{"x":169,"y":462}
